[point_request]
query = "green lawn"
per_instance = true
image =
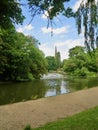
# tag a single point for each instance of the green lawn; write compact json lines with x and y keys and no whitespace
{"x":87,"y":120}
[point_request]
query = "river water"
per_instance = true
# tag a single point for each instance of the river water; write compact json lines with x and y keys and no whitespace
{"x":50,"y":85}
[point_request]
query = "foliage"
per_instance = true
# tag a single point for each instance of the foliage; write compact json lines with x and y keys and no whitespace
{"x":87,"y":16}
{"x":80,"y":63}
{"x":28,"y":127}
{"x":54,"y":62}
{"x":76,"y":51}
{"x":20,"y":57}
{"x":87,"y":120}
{"x":51,"y":63}
{"x":10,"y":13}
{"x":52,"y":7}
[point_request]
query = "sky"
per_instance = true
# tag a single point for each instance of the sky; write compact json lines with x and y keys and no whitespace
{"x":65,"y":35}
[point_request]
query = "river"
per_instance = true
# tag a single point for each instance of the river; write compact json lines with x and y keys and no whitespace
{"x":50,"y":85}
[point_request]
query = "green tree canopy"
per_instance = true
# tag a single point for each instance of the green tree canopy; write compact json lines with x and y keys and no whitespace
{"x":76,"y":51}
{"x":80,"y":63}
{"x":20,"y":58}
{"x":10,"y":13}
{"x":51,"y":63}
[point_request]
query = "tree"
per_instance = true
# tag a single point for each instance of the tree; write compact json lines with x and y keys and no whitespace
{"x":38,"y":63}
{"x":76,"y":51}
{"x":80,"y":63}
{"x":51,"y":63}
{"x":20,"y":58}
{"x":10,"y":13}
{"x":87,"y":16}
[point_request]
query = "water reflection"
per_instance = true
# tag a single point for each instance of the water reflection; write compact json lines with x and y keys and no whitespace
{"x":17,"y":92}
{"x":56,"y":87}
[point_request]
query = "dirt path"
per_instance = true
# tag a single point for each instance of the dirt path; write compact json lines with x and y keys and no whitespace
{"x":41,"y":111}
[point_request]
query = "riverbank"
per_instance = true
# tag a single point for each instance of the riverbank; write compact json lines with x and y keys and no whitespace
{"x":38,"y":112}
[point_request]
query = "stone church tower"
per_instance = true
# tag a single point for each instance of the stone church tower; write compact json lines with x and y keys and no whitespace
{"x":55,"y":51}
{"x":57,"y":57}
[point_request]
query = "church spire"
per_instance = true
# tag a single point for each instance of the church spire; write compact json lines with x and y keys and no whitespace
{"x":55,"y":50}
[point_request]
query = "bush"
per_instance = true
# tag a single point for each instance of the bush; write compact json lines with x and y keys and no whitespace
{"x":81,"y":72}
{"x":28,"y":127}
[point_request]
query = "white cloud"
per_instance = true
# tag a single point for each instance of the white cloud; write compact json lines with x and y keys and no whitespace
{"x":45,"y":15}
{"x":46,"y":30}
{"x":64,"y":54}
{"x":55,"y":30}
{"x":70,"y":43}
{"x":25,"y":29}
{"x":20,"y":29}
{"x":28,"y":27}
{"x":48,"y":51}
{"x":76,"y":6}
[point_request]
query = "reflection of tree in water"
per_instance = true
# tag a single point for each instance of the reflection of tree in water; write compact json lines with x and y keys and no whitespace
{"x":58,"y":90}
{"x":54,"y":85}
{"x":16,"y":92}
{"x":81,"y":83}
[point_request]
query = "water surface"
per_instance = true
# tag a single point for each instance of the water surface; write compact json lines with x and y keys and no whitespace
{"x":51,"y":85}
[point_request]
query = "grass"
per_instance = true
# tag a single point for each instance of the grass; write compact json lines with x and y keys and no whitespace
{"x":87,"y":120}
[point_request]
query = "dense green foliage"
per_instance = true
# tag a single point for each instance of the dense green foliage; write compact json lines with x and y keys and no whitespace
{"x":20,"y":58}
{"x":87,"y":120}
{"x":10,"y":13}
{"x":54,"y":62}
{"x":51,"y":63}
{"x":80,"y":63}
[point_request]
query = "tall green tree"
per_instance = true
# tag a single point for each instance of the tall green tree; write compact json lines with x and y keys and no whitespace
{"x":20,"y":58}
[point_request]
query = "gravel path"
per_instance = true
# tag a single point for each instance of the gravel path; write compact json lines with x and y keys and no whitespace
{"x":38,"y":112}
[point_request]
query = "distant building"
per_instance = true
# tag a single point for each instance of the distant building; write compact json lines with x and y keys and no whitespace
{"x":57,"y":57}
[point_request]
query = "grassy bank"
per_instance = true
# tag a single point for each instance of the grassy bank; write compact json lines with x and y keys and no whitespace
{"x":87,"y":120}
